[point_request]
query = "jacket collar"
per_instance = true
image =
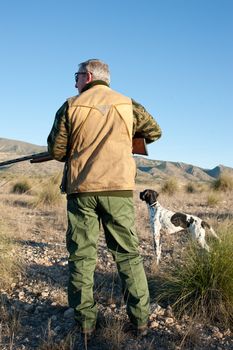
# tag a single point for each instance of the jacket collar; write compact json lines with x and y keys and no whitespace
{"x":93,"y":83}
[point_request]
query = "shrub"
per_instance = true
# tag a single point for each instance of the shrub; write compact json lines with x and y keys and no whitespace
{"x":212,"y":199}
{"x":223,"y":183}
{"x":51,"y":343}
{"x":191,"y":188}
{"x":202,"y":284}
{"x":56,"y":179}
{"x":49,"y":194}
{"x":9,"y":265}
{"x":9,"y":322}
{"x":170,"y":186}
{"x":20,"y":187}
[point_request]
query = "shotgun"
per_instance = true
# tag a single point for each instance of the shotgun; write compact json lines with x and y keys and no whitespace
{"x":138,"y":147}
{"x":34,"y":158}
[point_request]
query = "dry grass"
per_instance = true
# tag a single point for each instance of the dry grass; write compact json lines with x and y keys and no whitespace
{"x":223,"y":183}
{"x":191,"y":187}
{"x":49,"y":194}
{"x":170,"y":186}
{"x":213,"y":199}
{"x":113,"y":334}
{"x":201,"y":284}
{"x":11,"y":268}
{"x":10,"y":262}
{"x":21,"y":186}
{"x":9,"y":323}
{"x":49,"y":342}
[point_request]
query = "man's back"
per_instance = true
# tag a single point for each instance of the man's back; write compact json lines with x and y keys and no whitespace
{"x":100,"y":157}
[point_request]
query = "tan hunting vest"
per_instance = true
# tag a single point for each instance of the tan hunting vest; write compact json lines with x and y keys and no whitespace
{"x":100,"y":156}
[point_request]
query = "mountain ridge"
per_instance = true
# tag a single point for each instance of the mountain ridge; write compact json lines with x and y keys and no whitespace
{"x":147,"y":169}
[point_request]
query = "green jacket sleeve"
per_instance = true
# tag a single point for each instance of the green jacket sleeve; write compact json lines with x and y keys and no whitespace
{"x":59,"y":135}
{"x":144,"y":124}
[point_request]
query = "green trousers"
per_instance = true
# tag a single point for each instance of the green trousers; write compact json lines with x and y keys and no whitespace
{"x":117,"y":217}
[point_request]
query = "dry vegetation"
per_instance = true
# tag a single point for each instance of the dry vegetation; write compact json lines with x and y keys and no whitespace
{"x":191,"y":292}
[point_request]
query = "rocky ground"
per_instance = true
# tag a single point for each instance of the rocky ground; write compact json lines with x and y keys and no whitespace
{"x":37,"y":303}
{"x":39,"y":300}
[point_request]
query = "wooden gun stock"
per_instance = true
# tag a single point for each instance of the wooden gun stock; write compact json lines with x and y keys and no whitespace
{"x":139,"y":146}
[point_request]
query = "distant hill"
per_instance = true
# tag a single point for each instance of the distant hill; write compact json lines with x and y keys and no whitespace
{"x":159,"y":169}
{"x":19,"y":147}
{"x":11,"y":149}
{"x":148,"y":170}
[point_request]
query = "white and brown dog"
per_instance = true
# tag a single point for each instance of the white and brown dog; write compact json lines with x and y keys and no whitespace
{"x":171,"y":222}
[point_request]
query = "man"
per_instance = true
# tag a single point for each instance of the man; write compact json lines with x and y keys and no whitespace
{"x":92,"y":133}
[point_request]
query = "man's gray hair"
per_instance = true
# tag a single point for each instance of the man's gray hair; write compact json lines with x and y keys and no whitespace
{"x":99,"y":69}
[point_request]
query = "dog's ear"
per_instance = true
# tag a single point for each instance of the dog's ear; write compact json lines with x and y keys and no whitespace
{"x":142,"y":195}
{"x":180,"y":219}
{"x":153,"y":197}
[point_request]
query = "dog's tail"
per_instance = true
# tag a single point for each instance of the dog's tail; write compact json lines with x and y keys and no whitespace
{"x":206,"y":225}
{"x":214,"y":234}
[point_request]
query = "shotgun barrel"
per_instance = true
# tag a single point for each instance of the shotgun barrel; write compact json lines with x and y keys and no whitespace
{"x":34,"y":158}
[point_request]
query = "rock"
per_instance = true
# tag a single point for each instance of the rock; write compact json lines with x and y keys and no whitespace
{"x":54,"y":318}
{"x":38,"y":309}
{"x":21,"y":295}
{"x":169,"y":320}
{"x":168,"y":312}
{"x":45,"y":294}
{"x":28,"y":307}
{"x":227,"y":332}
{"x":57,"y":329}
{"x":154,"y":324}
{"x":218,"y":335}
{"x":69,"y":313}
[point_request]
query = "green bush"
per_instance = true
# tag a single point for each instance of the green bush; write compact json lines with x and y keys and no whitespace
{"x":201,"y":285}
{"x":20,"y":187}
{"x":170,"y":186}
{"x":191,"y":188}
{"x":49,"y":194}
{"x":212,"y":199}
{"x":223,"y":183}
{"x":10,"y":267}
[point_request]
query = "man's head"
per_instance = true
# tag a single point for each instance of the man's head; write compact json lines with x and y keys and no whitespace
{"x":91,"y":70}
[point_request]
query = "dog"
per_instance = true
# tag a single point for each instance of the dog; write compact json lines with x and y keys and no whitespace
{"x":172,"y":222}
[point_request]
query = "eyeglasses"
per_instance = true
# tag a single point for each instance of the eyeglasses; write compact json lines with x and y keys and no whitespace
{"x":77,"y":74}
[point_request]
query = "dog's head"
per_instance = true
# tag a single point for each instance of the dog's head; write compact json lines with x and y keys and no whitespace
{"x":149,"y":196}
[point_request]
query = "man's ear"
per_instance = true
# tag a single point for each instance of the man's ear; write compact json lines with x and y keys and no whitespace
{"x":89,"y":77}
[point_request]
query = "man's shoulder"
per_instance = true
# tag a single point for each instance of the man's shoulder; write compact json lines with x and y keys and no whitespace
{"x":71,"y":100}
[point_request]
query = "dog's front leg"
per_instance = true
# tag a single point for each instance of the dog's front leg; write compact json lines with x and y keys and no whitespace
{"x":157,"y":243}
{"x":155,"y":229}
{"x":201,"y":240}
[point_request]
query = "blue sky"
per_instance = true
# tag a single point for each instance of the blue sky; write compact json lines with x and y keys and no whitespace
{"x":173,"y":56}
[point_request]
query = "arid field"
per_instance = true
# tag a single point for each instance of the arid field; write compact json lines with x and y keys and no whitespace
{"x":191,"y":291}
